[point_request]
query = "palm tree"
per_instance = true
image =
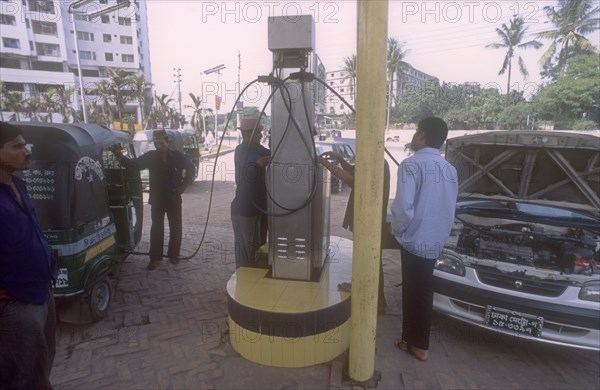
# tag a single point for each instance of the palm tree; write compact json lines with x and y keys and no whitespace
{"x":160,"y":112}
{"x":149,"y":109}
{"x":48,"y":104}
{"x":104,"y":90}
{"x":140,"y":88}
{"x":176,"y":119}
{"x":120,"y":88}
{"x":31,"y":108}
{"x":395,"y":65}
{"x":95,"y":113}
{"x":2,"y":93}
{"x":63,"y":98}
{"x":350,"y":70}
{"x":14,"y":103}
{"x":572,"y":21}
{"x":197,"y":114}
{"x":511,"y":38}
{"x":129,"y":119}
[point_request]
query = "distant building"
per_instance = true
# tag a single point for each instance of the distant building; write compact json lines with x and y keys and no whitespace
{"x":342,"y":83}
{"x":38,"y":46}
{"x":319,"y":91}
{"x":413,"y":80}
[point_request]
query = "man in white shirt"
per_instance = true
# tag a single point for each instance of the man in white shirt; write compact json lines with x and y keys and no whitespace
{"x":422,"y":216}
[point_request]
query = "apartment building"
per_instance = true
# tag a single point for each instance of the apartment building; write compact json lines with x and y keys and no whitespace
{"x":341,"y":82}
{"x":40,"y":39}
{"x":412,"y":80}
{"x":344,"y":84}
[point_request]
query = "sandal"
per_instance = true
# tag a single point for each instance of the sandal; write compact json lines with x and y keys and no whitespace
{"x":345,"y":286}
{"x":420,"y":354}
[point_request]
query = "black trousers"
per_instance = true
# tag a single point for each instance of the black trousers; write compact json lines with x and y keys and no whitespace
{"x":417,"y":298}
{"x":157,"y":231}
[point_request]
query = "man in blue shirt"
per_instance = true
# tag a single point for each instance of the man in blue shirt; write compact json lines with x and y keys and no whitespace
{"x":422,"y":217}
{"x":167,"y":182}
{"x":27,"y":271}
{"x":249,"y":205}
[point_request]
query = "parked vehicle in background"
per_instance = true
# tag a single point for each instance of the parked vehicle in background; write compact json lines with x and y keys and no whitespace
{"x":329,"y":135}
{"x":343,"y":149}
{"x":523,"y":255}
{"x":89,"y":207}
{"x":186,"y":141}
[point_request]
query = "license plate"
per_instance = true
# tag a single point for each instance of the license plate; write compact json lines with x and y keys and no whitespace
{"x":526,"y":324}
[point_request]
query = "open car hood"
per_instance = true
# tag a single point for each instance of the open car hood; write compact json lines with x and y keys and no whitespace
{"x":552,"y":168}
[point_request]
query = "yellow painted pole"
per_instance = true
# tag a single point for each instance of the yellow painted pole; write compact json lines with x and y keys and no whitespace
{"x":372,"y":19}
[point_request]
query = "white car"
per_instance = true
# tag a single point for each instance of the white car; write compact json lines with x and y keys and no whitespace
{"x":523,"y":254}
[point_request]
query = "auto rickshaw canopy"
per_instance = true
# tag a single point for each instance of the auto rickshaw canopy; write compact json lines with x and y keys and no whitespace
{"x":66,"y":180}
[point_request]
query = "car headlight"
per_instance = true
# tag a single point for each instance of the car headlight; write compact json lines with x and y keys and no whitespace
{"x":451,"y":264}
{"x":590,"y":291}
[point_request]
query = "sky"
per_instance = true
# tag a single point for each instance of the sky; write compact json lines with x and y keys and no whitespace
{"x":445,"y":39}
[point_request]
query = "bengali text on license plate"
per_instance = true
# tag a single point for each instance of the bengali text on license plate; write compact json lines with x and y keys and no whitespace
{"x":510,"y":320}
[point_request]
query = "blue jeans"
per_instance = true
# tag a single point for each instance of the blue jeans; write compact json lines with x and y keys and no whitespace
{"x":27,"y":344}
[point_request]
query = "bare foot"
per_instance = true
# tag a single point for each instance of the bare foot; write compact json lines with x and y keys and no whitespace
{"x":152,"y":265}
{"x":345,"y":286}
{"x":421,"y":354}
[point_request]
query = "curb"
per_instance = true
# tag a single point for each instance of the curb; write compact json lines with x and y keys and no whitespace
{"x":204,"y":157}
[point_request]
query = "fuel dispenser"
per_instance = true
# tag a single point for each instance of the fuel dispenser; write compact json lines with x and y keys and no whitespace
{"x":298,"y":204}
{"x":293,"y":315}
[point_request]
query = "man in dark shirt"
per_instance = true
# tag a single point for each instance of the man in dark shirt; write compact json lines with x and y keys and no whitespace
{"x":167,"y":183}
{"x":249,"y":204}
{"x":27,"y":271}
{"x":345,"y":172}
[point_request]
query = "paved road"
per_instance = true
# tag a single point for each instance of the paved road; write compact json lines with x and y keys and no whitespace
{"x":167,"y":329}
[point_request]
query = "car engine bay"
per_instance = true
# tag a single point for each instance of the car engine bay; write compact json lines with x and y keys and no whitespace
{"x":567,"y":250}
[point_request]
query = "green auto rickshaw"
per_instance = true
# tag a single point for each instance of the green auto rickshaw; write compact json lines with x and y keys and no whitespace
{"x":89,"y":207}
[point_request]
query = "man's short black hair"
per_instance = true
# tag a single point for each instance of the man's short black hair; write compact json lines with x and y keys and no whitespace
{"x":160,"y":134}
{"x":8,"y":133}
{"x":435,"y":130}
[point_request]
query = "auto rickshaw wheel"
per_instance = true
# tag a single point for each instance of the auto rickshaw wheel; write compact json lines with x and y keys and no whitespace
{"x":99,"y":299}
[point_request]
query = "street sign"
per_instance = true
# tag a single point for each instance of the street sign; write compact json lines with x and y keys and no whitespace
{"x":240,"y":106}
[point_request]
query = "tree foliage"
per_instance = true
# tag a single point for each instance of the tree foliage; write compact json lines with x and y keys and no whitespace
{"x":572,"y":20}
{"x":574,"y":97}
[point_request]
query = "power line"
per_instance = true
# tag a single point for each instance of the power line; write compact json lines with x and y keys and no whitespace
{"x":462,"y":33}
{"x":479,"y":41}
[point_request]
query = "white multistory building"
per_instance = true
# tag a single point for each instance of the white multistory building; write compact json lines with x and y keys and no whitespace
{"x":343,"y":83}
{"x":38,"y":48}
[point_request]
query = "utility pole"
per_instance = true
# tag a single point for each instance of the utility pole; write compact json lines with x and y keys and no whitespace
{"x":216,"y":69}
{"x":240,"y":103}
{"x":177,"y":80}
